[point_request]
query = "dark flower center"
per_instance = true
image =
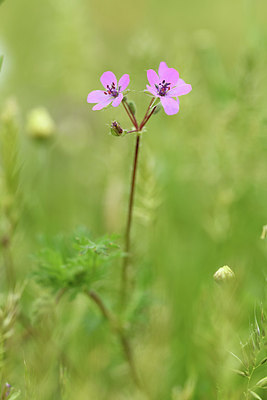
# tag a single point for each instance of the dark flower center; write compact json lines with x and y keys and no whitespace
{"x":111,"y":90}
{"x":163,"y":88}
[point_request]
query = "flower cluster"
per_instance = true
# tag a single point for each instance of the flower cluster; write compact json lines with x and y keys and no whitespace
{"x":165,"y":87}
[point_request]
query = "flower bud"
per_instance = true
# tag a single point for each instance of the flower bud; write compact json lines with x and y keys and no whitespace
{"x":132,"y":107}
{"x":158,"y":108}
{"x":40,"y":124}
{"x":224,"y":274}
{"x":116,"y":129}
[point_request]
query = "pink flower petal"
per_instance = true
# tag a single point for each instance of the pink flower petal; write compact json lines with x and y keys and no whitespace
{"x":108,"y":78}
{"x":162,"y":67}
{"x":170,"y":105}
{"x":124,"y":82}
{"x":117,"y":100}
{"x":96,"y":96}
{"x":152,"y":77}
{"x":99,"y":106}
{"x":152,"y":90}
{"x":181,"y":89}
{"x":170,"y":75}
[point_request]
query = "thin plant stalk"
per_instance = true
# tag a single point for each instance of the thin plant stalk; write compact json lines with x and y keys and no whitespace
{"x":130,"y":115}
{"x":125,"y":266}
{"x":129,"y":220}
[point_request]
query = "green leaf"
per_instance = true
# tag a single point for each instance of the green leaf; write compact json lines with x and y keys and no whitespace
{"x":255,"y":395}
{"x":1,"y":57}
{"x":262,"y":382}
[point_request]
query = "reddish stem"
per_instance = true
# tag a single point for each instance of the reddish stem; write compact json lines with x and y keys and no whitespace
{"x":125,"y":267}
{"x":145,"y":116}
{"x":129,"y":114}
{"x":129,"y":221}
{"x":132,"y":114}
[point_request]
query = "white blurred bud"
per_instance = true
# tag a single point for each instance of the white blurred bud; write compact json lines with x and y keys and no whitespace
{"x":224,"y":274}
{"x":40,"y":125}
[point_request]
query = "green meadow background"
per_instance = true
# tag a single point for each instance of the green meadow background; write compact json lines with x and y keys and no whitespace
{"x":201,"y":190}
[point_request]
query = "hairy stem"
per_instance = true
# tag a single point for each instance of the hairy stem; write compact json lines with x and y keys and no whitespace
{"x":125,"y":267}
{"x":115,"y":326}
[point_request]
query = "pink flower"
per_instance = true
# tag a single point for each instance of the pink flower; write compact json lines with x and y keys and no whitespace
{"x":167,"y":85}
{"x":111,"y":94}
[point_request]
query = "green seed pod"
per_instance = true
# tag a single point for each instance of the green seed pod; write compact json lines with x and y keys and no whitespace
{"x":224,"y":274}
{"x":40,"y":124}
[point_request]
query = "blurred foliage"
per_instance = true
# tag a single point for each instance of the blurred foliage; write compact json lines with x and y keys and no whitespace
{"x":201,"y":196}
{"x":83,"y":266}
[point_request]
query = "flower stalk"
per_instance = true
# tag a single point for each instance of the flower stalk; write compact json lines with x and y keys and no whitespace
{"x":129,"y":220}
{"x":138,"y":130}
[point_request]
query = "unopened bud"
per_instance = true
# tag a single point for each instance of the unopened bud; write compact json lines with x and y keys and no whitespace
{"x":40,"y":124}
{"x":158,"y":108}
{"x":132,"y":107}
{"x":116,"y":129}
{"x":224,"y":274}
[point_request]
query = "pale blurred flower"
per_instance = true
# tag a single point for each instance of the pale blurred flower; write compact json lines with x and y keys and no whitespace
{"x":40,"y":124}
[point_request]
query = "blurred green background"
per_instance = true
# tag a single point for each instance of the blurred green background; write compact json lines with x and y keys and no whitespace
{"x":202,"y":190}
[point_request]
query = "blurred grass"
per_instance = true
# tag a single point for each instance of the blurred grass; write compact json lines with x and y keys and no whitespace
{"x":207,"y":180}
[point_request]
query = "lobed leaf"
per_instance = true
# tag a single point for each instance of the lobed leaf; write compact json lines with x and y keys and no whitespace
{"x":84,"y":264}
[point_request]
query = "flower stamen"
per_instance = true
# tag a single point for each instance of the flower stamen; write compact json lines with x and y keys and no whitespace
{"x":162,"y":88}
{"x":112,"y":91}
